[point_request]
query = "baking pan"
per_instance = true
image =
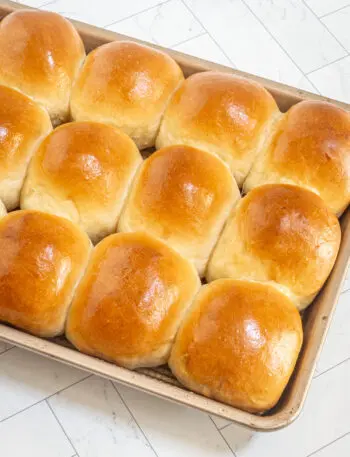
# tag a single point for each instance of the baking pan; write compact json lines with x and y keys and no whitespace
{"x":159,"y":381}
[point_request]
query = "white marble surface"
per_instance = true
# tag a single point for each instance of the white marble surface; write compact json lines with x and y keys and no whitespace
{"x":49,"y":409}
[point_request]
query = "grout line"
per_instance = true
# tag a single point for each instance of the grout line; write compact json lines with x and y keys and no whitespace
{"x":204,"y":28}
{"x":222,"y":436}
{"x":6,"y":350}
{"x":280,"y":46}
{"x":21,"y":411}
{"x":46,"y":3}
{"x":59,"y":423}
{"x":189,"y":39}
{"x":335,"y":11}
{"x":331,"y":368}
{"x":328,"y":444}
{"x":327,"y":64}
{"x":225,"y":426}
{"x":325,"y":26}
{"x":71,"y":385}
{"x":44,"y":399}
{"x":139,"y":12}
{"x":132,"y":415}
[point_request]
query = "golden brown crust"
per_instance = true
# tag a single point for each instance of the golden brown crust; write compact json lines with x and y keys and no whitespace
{"x":311,"y":148}
{"x":238,"y":344}
{"x":129,"y":305}
{"x":41,"y":53}
{"x":279,"y":233}
{"x":82,"y":171}
{"x":222,"y":114}
{"x":127,"y":84}
{"x":183,"y":196}
{"x":42,"y":259}
{"x":23,"y":124}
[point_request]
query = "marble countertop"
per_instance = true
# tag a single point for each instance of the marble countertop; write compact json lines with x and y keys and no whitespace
{"x":49,"y":409}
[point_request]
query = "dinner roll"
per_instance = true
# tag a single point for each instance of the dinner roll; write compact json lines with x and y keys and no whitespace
{"x":82,"y":171}
{"x":238,"y":344}
{"x":23,"y":124}
{"x":42,"y":259}
{"x":279,"y":233}
{"x":127,"y":84}
{"x":223,"y":114}
{"x":41,"y":53}
{"x":183,"y":196}
{"x":3,"y":211}
{"x":311,"y":148}
{"x":129,"y":305}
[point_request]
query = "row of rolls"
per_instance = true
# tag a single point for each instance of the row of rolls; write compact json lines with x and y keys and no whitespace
{"x":110,"y":248}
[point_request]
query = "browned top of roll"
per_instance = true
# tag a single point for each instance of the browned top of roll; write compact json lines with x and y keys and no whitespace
{"x":183,"y":189}
{"x":22,"y":124}
{"x":222,"y":114}
{"x":122,"y":79}
{"x":238,"y":344}
{"x":87,"y":162}
{"x":133,"y":294}
{"x":292,"y":232}
{"x":40,"y":53}
{"x":223,"y":105}
{"x":42,"y":257}
{"x":312,"y":147}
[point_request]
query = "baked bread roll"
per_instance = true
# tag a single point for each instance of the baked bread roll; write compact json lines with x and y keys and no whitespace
{"x":3,"y":211}
{"x":41,"y":53}
{"x":82,"y":171}
{"x":223,"y":114}
{"x":23,"y":124}
{"x":128,"y":85}
{"x":311,"y":149}
{"x":238,"y":344}
{"x":129,"y":305}
{"x":183,"y":196}
{"x":279,"y":233}
{"x":43,"y":258}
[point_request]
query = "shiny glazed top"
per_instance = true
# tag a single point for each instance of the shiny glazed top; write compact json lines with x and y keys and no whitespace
{"x":312,"y":147}
{"x":125,"y":79}
{"x":42,"y":258}
{"x":40,"y":54}
{"x":220,"y":113}
{"x":230,"y":107}
{"x":292,"y":232}
{"x":181,"y":190}
{"x":89,"y":163}
{"x":134,"y":291}
{"x":22,"y":124}
{"x":239,"y":343}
